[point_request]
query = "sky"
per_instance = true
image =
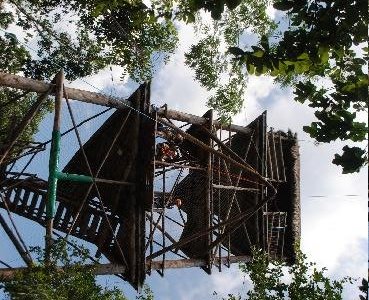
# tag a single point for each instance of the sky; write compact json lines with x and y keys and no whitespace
{"x":333,"y":206}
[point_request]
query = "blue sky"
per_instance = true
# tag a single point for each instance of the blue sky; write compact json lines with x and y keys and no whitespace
{"x":334,"y":226}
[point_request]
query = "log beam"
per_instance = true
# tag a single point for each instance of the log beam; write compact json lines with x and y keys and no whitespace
{"x":234,"y":188}
{"x":110,"y":269}
{"x":32,"y":85}
{"x":196,"y":120}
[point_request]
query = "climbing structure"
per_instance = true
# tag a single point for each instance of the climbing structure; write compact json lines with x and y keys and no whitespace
{"x":154,"y":189}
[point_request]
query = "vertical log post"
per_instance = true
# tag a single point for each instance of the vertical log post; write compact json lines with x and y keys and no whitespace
{"x":163,"y":222}
{"x":53,"y":165}
{"x":54,"y":174}
{"x":219,"y":207}
{"x":263,"y":171}
{"x":209,"y":195}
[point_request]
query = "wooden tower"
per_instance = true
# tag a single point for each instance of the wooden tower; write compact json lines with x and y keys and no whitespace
{"x":159,"y":189}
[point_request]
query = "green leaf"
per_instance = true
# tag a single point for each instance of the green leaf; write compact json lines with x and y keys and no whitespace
{"x":303,"y":56}
{"x":217,"y":10}
{"x":310,"y":130}
{"x":349,"y":87}
{"x":11,"y":36}
{"x":352,"y":159}
{"x":323,"y":54}
{"x":236,"y":51}
{"x":98,"y":10}
{"x":232,"y":4}
{"x":283,"y":5}
{"x":250,"y":68}
{"x":258,"y":53}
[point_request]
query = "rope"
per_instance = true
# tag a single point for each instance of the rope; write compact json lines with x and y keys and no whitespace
{"x":16,"y":176}
{"x":164,"y":204}
{"x":234,"y":192}
{"x":233,"y":224}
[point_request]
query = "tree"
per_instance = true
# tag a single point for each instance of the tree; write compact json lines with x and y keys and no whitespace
{"x":316,"y":46}
{"x":216,"y":70}
{"x":138,"y":38}
{"x":124,"y":33}
{"x":47,"y":281}
{"x":307,"y":281}
{"x":127,"y":34}
{"x":364,"y":289}
{"x":15,"y":104}
{"x":63,"y":277}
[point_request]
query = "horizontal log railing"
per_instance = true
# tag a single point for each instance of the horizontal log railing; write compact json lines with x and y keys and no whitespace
{"x":32,"y":85}
{"x":109,"y":269}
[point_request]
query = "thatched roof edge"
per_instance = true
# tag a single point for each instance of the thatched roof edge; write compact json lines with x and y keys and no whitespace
{"x":293,"y":181}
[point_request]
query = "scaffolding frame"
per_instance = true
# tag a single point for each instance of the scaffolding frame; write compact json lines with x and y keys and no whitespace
{"x":155,"y":247}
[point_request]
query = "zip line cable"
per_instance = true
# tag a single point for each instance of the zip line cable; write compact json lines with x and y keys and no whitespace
{"x":80,"y":124}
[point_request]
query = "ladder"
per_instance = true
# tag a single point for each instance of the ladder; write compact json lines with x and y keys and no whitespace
{"x":275,"y":223}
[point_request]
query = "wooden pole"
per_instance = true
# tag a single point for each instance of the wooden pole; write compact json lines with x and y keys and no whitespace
{"x":209,"y":195}
{"x":234,"y":188}
{"x":110,"y":269}
{"x":196,"y":120}
{"x":22,"y":252}
{"x":53,"y":165}
{"x":225,"y":147}
{"x":163,"y":163}
{"x":27,"y":84}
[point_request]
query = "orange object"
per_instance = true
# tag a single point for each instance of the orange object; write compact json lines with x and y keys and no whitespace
{"x":178,"y":202}
{"x":166,"y":152}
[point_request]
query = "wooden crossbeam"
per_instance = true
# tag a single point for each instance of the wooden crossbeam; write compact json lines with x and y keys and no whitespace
{"x":27,"y":84}
{"x":110,"y":269}
{"x":32,"y":85}
{"x":235,"y":188}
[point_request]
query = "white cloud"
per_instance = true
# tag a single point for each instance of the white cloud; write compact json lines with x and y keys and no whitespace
{"x":271,"y":12}
{"x":174,"y":84}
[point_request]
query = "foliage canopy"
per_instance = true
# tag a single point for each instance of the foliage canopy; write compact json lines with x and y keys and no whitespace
{"x":304,"y":281}
{"x":319,"y":54}
{"x":48,"y":281}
